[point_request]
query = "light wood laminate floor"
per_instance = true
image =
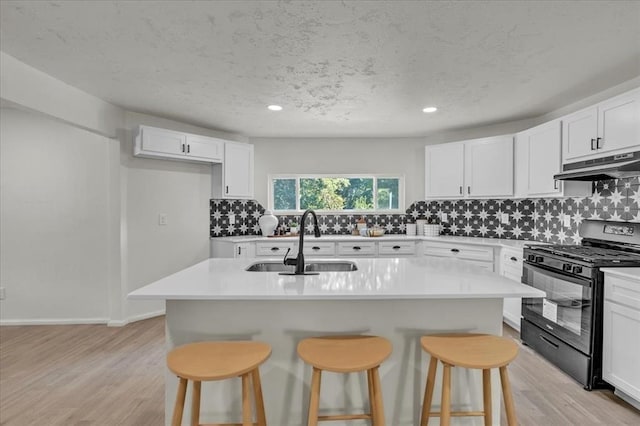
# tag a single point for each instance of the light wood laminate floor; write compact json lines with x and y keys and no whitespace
{"x":97,"y":375}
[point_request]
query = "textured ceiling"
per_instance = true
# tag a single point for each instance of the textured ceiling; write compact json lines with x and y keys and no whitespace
{"x":350,"y":68}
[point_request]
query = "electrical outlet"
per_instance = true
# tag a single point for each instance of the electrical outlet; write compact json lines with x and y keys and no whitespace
{"x":444,"y":218}
{"x":2,"y":293}
{"x":162,"y":219}
{"x":567,"y":221}
{"x":232,"y":219}
{"x":505,"y":218}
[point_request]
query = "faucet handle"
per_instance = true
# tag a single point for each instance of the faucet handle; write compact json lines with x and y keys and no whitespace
{"x":288,"y":261}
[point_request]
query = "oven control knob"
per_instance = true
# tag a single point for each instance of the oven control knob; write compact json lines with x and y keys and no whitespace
{"x":566,"y":267}
{"x":531,"y":257}
{"x":577,"y":269}
{"x":538,"y":259}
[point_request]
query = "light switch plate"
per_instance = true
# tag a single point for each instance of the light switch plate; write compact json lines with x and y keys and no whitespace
{"x":162,"y":219}
{"x":232,"y":219}
{"x":444,"y":218}
{"x":567,"y":221}
{"x":505,"y":218}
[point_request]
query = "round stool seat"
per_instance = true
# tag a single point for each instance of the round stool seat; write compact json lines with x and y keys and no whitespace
{"x":205,"y":361}
{"x":480,"y":351}
{"x":344,"y":354}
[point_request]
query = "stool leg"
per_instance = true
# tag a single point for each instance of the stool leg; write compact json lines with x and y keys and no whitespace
{"x":428,"y":391}
{"x":372,"y":400}
{"x":179,"y":406}
{"x":246,"y":401}
{"x":486,"y":396}
{"x":508,"y":398}
{"x":445,"y":411}
{"x":257,"y":394}
{"x":314,"y":400}
{"x":377,"y":392}
{"x":195,"y":404}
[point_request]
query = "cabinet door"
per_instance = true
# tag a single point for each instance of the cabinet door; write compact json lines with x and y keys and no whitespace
{"x":161,"y":142}
{"x":619,"y":123}
{"x":489,"y":167}
{"x":205,"y":148}
{"x":621,"y":347}
{"x":579,"y":131}
{"x":545,"y":158}
{"x":444,"y":170}
{"x":238,"y":171}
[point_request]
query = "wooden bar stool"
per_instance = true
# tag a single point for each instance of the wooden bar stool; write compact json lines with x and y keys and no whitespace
{"x":209,"y":361}
{"x":346,"y":354}
{"x":478,"y":351}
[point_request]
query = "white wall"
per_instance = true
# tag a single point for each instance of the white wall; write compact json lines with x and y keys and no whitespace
{"x":54,"y":244}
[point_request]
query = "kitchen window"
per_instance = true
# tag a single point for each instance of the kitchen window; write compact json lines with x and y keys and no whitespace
{"x":336,"y":193}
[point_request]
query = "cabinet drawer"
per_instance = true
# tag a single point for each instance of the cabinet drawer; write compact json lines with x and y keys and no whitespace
{"x":396,"y":247}
{"x":459,"y":251}
{"x":622,"y":290}
{"x":357,"y":249}
{"x":511,"y":264}
{"x":319,"y":249}
{"x":273,"y":249}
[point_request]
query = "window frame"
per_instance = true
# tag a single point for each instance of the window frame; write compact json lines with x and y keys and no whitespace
{"x":375,"y":177}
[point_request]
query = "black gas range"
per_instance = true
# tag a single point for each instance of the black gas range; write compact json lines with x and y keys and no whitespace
{"x":566,"y":326}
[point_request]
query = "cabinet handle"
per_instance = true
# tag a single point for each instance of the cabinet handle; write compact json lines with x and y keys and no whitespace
{"x":239,"y":251}
{"x":555,"y":184}
{"x":513,"y":258}
{"x":182,"y":147}
{"x":357,"y":248}
{"x":598,"y":146}
{"x":455,"y":250}
{"x":460,"y":189}
{"x":227,"y":189}
{"x":275,"y":248}
{"x":396,"y":247}
{"x":188,"y":148}
{"x":315,"y":248}
{"x":593,"y":148}
{"x":469,"y":190}
{"x":548,"y":341}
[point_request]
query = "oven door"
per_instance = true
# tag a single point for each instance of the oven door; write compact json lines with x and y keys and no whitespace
{"x":566,"y":311}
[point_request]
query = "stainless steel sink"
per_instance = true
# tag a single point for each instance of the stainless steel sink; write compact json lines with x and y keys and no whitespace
{"x":322,"y":266}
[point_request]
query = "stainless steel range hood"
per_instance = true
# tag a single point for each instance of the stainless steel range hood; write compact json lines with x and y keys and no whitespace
{"x":612,"y":167}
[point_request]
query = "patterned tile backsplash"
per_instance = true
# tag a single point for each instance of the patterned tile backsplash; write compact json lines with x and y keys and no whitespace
{"x":538,"y":219}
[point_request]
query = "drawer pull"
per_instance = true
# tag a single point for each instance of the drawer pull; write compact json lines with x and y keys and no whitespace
{"x":315,"y":248}
{"x":548,"y":341}
{"x":455,"y":250}
{"x":592,"y":142}
{"x":357,"y":248}
{"x":275,"y":248}
{"x":396,"y":247}
{"x":513,"y":258}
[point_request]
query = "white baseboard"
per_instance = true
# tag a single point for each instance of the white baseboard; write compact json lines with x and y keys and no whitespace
{"x":82,"y":321}
{"x":57,"y":321}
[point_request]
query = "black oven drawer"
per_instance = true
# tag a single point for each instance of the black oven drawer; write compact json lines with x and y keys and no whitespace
{"x":571,"y":361}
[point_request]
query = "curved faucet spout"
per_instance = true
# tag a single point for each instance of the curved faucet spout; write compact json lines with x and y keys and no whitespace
{"x":299,"y":260}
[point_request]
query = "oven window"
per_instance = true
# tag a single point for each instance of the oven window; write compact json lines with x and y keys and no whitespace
{"x":567,"y":304}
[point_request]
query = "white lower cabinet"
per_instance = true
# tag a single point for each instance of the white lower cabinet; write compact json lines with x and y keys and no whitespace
{"x":621,"y":335}
{"x":278,"y":248}
{"x":315,"y":248}
{"x":396,"y":248}
{"x":226,"y":248}
{"x":357,"y":248}
{"x":481,"y":256}
{"x":511,"y":267}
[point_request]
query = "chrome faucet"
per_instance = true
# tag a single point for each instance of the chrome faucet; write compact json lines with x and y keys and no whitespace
{"x":298,"y":261}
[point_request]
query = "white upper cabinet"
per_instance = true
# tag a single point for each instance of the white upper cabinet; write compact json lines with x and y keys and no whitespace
{"x":234,"y":177}
{"x":489,"y":167}
{"x":470,"y":169}
{"x":169,"y":144}
{"x":538,"y":159}
{"x":444,"y":170}
{"x":608,"y":128}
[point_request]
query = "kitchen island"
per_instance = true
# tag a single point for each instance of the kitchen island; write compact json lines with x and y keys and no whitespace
{"x":398,"y":298}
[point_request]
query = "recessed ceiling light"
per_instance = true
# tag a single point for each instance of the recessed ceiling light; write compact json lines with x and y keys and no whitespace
{"x":430,"y":109}
{"x":275,"y":107}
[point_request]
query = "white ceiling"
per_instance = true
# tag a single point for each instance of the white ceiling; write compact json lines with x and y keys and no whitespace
{"x":339,"y":68}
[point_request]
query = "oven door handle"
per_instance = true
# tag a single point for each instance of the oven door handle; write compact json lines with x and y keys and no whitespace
{"x":555,"y":345}
{"x":585,"y":282}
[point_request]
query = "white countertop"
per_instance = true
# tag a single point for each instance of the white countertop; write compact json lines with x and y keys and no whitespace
{"x":378,"y":278}
{"x":493,"y":242}
{"x":632,"y":273}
